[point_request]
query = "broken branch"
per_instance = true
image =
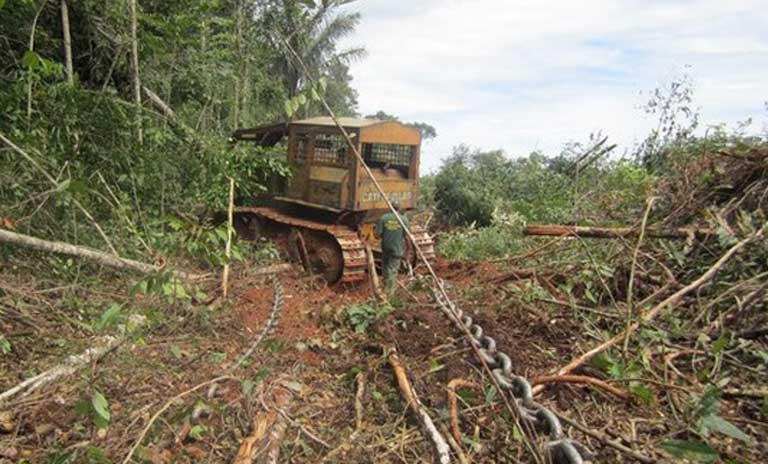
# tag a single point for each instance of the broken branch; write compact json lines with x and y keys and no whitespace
{"x":90,"y":254}
{"x":440,"y":448}
{"x":612,"y":232}
{"x":453,"y":407}
{"x":582,"y":379}
{"x":70,"y":365}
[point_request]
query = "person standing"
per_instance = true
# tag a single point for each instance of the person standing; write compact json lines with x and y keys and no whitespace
{"x":392,"y":236}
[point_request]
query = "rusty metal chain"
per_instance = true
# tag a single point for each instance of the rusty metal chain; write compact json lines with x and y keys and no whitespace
{"x":271,"y":324}
{"x":559,"y":448}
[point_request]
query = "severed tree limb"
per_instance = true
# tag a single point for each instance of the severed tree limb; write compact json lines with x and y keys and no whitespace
{"x":73,"y":363}
{"x":276,"y":437}
{"x":90,"y":254}
{"x":612,"y":232}
{"x":582,"y":379}
{"x":360,"y":379}
{"x":440,"y":448}
{"x":453,"y":407}
{"x":346,"y":443}
{"x":670,"y":301}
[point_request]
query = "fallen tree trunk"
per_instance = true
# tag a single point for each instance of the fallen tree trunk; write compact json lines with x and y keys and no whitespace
{"x":89,"y":254}
{"x":612,"y":232}
{"x":440,"y":448}
{"x":70,"y":365}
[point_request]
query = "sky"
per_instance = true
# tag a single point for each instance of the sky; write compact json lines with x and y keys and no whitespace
{"x":534,"y":75}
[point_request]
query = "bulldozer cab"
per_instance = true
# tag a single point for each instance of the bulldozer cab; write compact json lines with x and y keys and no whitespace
{"x":326,"y":173}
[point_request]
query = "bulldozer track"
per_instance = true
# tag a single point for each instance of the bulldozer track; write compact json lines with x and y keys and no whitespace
{"x":352,"y":248}
{"x":348,"y":240}
{"x":424,"y":242}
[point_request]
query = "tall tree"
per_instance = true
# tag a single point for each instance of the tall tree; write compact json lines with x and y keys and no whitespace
{"x":313,"y":30}
{"x":135,"y":69}
{"x":67,"y":42}
{"x":239,"y":60}
{"x":428,"y":131}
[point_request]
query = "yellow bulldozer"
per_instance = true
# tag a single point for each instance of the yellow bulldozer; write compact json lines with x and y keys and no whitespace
{"x":326,"y":212}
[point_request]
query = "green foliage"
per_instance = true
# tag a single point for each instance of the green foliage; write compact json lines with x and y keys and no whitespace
{"x":313,"y":30}
{"x":707,"y":411}
{"x":216,"y":64}
{"x":109,"y":318}
{"x":501,"y":238}
{"x":676,"y":120}
{"x":5,"y":345}
{"x":428,"y":132}
{"x":202,"y":241}
{"x":197,"y":432}
{"x":90,"y":455}
{"x":472,"y":185}
{"x":101,"y":409}
{"x":361,"y":316}
{"x":97,"y":408}
{"x":692,"y":450}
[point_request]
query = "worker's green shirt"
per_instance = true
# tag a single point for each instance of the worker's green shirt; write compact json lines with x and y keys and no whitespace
{"x":392,"y":234}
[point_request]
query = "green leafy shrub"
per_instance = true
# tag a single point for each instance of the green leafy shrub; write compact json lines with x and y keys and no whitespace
{"x":361,"y":316}
{"x":502,"y":238}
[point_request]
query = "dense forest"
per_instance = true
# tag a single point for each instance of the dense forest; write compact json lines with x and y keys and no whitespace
{"x":649,"y":343}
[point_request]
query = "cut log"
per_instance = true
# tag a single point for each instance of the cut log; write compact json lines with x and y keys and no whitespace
{"x":89,"y":254}
{"x":613,"y":232}
{"x":281,"y":400}
{"x":440,"y":448}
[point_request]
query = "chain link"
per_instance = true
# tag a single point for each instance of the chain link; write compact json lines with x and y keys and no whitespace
{"x":559,"y":448}
{"x":271,"y":324}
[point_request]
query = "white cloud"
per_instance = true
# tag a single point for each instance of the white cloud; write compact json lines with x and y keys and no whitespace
{"x":522,"y":75}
